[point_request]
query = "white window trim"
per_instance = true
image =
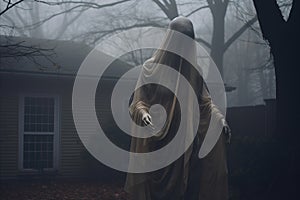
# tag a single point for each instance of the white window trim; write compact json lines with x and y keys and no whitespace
{"x":56,"y":140}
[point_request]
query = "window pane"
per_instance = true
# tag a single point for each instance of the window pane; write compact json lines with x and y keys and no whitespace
{"x":38,"y":151}
{"x":38,"y":114}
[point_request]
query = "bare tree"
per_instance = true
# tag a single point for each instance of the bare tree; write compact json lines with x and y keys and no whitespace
{"x":283,"y":37}
{"x":218,"y":9}
{"x":27,"y":18}
{"x":70,"y":10}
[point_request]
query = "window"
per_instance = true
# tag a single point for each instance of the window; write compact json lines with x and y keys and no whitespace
{"x":38,"y":132}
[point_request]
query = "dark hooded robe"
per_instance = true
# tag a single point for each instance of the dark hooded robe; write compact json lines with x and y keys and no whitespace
{"x":188,"y":177}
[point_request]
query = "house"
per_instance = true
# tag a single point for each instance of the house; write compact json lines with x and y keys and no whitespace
{"x":37,"y":131}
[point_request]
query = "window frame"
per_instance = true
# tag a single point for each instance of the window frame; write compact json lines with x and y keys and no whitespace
{"x":56,"y":132}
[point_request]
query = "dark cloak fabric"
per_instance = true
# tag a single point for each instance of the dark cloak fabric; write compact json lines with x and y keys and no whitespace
{"x":188,"y":177}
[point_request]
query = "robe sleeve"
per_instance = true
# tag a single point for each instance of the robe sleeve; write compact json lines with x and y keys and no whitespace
{"x":136,"y":111}
{"x":139,"y":104}
{"x":208,"y":108}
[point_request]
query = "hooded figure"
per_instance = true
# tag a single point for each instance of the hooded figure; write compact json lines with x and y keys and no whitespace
{"x":188,"y":177}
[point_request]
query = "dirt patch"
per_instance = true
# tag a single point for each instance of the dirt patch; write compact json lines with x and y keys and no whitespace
{"x":77,"y":190}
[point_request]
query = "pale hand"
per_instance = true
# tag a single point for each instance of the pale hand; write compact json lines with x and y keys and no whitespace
{"x":226,"y":130}
{"x":146,"y":118}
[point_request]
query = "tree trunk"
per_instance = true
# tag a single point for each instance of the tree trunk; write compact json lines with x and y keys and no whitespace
{"x":283,"y":38}
{"x":217,"y":43}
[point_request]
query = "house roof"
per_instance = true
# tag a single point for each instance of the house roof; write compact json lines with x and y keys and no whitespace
{"x":44,"y":56}
{"x":62,"y":58}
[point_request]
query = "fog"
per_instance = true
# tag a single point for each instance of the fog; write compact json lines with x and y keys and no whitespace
{"x":239,"y":50}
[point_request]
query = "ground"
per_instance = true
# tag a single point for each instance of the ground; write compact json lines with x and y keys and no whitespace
{"x":61,"y":190}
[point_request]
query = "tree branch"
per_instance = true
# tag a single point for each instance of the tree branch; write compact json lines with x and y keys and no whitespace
{"x":19,"y":49}
{"x":196,"y":10}
{"x":207,"y":44}
{"x":10,"y":5}
{"x":83,"y":3}
{"x":103,"y":33}
{"x":239,"y":33}
{"x":162,"y":7}
{"x":295,"y":12}
{"x":271,"y":21}
{"x":170,"y":8}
